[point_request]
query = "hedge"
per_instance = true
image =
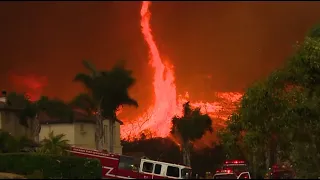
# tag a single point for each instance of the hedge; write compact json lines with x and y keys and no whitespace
{"x":51,"y":166}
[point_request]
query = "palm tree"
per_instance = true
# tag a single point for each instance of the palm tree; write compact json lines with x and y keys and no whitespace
{"x":54,"y":144}
{"x":106,"y":92}
{"x":28,"y":112}
{"x":189,"y":128}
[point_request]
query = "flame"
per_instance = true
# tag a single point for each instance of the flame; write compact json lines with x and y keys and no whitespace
{"x":157,"y":119}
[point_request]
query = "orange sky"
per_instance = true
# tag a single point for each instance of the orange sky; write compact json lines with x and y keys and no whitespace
{"x":234,"y":43}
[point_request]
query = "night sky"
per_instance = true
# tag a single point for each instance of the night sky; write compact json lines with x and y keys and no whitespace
{"x":214,"y":46}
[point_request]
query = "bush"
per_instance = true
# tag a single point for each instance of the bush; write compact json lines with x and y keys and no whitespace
{"x":50,"y":166}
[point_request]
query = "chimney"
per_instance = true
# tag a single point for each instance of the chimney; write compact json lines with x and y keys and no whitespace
{"x":3,"y":97}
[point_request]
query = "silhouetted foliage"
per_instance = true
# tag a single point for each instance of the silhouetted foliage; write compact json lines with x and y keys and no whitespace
{"x":190,"y":127}
{"x":107,"y":92}
{"x":278,"y":118}
{"x":54,"y":144}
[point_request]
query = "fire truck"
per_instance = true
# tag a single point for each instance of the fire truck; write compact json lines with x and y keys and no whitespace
{"x":281,"y":171}
{"x":115,"y":166}
{"x":233,"y":168}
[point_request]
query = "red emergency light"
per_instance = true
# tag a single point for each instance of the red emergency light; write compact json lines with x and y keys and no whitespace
{"x":224,"y":171}
{"x":235,"y":162}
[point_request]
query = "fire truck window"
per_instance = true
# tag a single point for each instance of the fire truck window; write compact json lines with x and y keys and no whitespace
{"x":173,"y":171}
{"x":225,"y":176}
{"x":127,"y":163}
{"x":244,"y":176}
{"x":147,"y":167}
{"x":157,"y":169}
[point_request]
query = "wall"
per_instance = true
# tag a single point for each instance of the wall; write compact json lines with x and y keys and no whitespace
{"x":116,"y":142}
{"x":67,"y":129}
{"x":84,"y":135}
{"x":9,"y":122}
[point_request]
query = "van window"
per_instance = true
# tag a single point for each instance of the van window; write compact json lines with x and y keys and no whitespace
{"x":128,"y":163}
{"x":157,"y":169}
{"x":147,"y":167}
{"x":173,"y":171}
{"x":186,"y":173}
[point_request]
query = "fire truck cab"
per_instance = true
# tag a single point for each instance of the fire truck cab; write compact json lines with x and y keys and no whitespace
{"x":235,"y":169}
{"x":117,"y":166}
{"x":236,"y":166}
{"x":282,"y":171}
{"x":228,"y":174}
{"x":150,"y":169}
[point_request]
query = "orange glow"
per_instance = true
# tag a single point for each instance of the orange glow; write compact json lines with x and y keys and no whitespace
{"x":31,"y":84}
{"x":157,"y":119}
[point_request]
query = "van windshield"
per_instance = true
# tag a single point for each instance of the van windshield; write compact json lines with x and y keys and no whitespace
{"x":186,"y":173}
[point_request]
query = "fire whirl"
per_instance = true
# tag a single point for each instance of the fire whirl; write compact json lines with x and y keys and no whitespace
{"x":157,"y":120}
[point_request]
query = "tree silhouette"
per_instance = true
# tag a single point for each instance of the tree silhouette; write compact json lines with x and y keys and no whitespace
{"x":189,"y":128}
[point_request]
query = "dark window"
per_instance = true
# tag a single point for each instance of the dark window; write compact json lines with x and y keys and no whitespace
{"x":157,"y":169}
{"x":147,"y":167}
{"x":186,"y":173}
{"x":244,"y":176}
{"x":128,"y":163}
{"x":173,"y":171}
{"x":282,"y":175}
{"x":225,"y":176}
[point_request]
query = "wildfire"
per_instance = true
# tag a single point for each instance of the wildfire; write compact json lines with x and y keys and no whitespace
{"x":157,"y":120}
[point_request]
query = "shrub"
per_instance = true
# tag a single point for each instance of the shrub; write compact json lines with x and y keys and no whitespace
{"x":50,"y":166}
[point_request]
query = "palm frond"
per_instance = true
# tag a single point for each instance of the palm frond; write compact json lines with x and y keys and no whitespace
{"x":86,"y":79}
{"x":91,"y":68}
{"x":85,"y":102}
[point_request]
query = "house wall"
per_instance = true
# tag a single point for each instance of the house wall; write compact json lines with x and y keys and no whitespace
{"x":9,"y":122}
{"x":83,"y":134}
{"x":106,"y":140}
{"x":67,"y":129}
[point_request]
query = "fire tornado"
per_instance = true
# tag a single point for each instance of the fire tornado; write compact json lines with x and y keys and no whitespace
{"x":157,"y":120}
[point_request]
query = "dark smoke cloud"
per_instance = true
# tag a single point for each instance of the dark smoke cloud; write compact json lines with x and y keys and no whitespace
{"x":233,"y":43}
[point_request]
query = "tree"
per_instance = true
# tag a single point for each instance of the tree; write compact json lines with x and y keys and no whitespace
{"x":189,"y":128}
{"x":280,"y":114}
{"x":54,"y":144}
{"x":8,"y":144}
{"x":27,"y":114}
{"x":106,"y":92}
{"x":161,"y":149}
{"x":29,"y":111}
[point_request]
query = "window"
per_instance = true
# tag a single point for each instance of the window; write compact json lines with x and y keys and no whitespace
{"x":245,"y":175}
{"x":157,"y":169}
{"x":186,"y":173}
{"x":129,"y":163}
{"x":147,"y":167}
{"x":105,"y":136}
{"x":173,"y":171}
{"x":225,"y":176}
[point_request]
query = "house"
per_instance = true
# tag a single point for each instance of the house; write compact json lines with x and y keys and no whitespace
{"x":9,"y":119}
{"x":80,"y":131}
